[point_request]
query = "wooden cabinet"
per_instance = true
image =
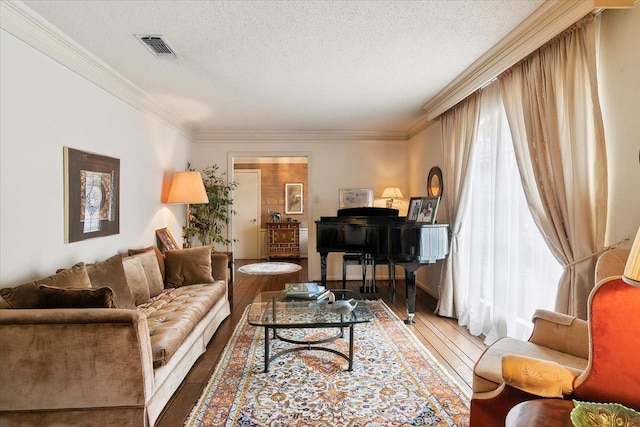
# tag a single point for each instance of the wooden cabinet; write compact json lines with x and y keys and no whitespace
{"x":283,"y":240}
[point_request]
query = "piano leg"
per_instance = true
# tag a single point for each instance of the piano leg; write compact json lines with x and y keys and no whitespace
{"x":410,"y":281}
{"x":323,"y":268}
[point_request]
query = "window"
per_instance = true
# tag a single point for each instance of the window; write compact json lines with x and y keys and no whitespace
{"x":508,"y":267}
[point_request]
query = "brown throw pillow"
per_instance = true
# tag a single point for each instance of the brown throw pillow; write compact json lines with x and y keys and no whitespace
{"x":54,"y":297}
{"x":159,"y":256}
{"x":110,"y":273}
{"x":188,"y":266}
{"x":136,"y":279}
{"x":23,"y":296}
{"x":74,"y":277}
{"x":152,"y":271}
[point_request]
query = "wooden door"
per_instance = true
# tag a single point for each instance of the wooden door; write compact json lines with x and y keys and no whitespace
{"x":246,"y":221}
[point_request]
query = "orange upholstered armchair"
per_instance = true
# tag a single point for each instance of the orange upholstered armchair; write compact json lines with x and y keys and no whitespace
{"x":567,"y":358}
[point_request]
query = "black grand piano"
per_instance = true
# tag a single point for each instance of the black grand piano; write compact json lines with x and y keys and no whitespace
{"x":381,"y":233}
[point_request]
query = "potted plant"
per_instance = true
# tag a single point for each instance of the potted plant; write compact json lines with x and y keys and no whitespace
{"x":209,"y":220}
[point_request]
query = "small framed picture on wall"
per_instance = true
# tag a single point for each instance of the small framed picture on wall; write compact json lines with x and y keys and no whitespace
{"x":293,"y":198}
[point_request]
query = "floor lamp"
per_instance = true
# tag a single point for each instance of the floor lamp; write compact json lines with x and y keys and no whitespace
{"x":187,"y":187}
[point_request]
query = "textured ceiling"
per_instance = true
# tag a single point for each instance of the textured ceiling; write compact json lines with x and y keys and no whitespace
{"x":291,"y":65}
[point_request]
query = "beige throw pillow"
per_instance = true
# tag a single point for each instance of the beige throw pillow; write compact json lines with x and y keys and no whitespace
{"x":74,"y":277}
{"x":152,"y":271}
{"x":188,"y":266}
{"x":110,"y":272}
{"x":159,"y":256}
{"x":136,"y":279}
{"x":23,"y":296}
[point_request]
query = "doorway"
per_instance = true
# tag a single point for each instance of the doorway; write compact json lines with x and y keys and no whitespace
{"x":275,"y":172}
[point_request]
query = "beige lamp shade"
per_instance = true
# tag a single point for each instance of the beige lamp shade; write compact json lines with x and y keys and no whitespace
{"x":392,"y":193}
{"x":632,"y":269}
{"x":187,"y":187}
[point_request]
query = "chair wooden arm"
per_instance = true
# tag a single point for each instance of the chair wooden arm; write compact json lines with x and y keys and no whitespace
{"x":560,"y":332}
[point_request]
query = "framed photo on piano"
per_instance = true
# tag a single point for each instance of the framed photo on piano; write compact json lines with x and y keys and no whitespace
{"x":423,"y":210}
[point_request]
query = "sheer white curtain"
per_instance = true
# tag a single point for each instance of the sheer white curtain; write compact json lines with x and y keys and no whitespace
{"x":506,"y":264}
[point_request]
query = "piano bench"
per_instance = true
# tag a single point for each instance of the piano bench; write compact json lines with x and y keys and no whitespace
{"x":359,"y":259}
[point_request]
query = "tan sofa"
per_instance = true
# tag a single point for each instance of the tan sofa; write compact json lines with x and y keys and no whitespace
{"x":112,"y":366}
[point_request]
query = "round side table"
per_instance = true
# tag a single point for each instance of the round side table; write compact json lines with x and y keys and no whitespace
{"x":541,"y":413}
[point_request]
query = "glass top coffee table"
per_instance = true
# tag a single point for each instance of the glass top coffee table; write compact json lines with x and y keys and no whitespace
{"x":275,"y":311}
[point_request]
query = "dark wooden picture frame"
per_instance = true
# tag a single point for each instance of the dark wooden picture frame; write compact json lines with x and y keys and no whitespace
{"x":92,"y":195}
{"x":165,"y":240}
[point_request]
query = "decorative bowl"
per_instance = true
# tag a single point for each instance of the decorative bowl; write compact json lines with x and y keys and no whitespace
{"x":590,"y":414}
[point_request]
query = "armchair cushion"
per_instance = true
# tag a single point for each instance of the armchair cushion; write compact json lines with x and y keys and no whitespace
{"x":540,"y":377}
{"x":488,"y":370}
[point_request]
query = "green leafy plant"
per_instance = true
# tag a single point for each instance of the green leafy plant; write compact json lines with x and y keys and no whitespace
{"x":210,"y":220}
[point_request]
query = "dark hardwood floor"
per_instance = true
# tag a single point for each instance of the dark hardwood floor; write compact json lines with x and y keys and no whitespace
{"x":452,"y":346}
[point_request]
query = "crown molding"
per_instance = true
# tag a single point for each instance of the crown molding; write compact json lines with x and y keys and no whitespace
{"x":20,"y":21}
{"x":419,"y":126}
{"x":302,"y":136}
{"x":550,"y":19}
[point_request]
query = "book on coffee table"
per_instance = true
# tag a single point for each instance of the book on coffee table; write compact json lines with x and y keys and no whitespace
{"x":305,"y":290}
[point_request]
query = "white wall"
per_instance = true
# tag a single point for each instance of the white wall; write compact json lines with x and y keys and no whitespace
{"x":332,"y":165}
{"x":619,"y":88}
{"x":43,"y":107}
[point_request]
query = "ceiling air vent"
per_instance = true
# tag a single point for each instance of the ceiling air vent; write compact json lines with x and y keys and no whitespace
{"x":157,"y":45}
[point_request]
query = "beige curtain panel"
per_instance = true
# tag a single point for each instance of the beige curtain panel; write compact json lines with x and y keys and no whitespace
{"x":459,"y":127}
{"x":552,"y":105}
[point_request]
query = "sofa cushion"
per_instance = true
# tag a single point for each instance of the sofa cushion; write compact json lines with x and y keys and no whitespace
{"x":54,"y":297}
{"x":159,"y":256}
{"x":190,"y":266}
{"x":487,"y":374}
{"x":74,"y":277}
{"x":172,"y":315}
{"x":136,"y":279}
{"x":110,"y":272}
{"x":23,"y":296}
{"x":151,"y":271}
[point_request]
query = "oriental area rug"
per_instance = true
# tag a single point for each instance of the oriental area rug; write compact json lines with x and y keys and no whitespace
{"x":269,"y":268}
{"x":395,"y":382}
